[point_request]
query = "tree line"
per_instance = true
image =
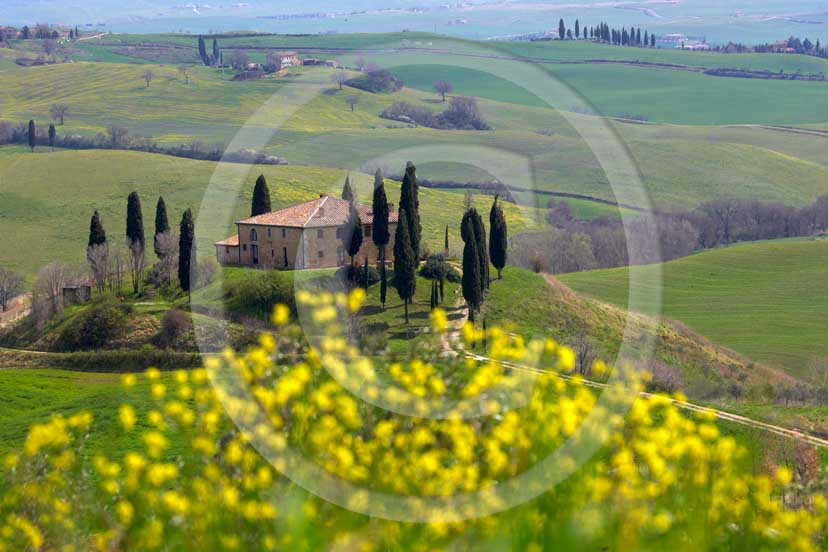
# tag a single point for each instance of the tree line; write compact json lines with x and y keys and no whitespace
{"x":573,"y":245}
{"x":604,"y":33}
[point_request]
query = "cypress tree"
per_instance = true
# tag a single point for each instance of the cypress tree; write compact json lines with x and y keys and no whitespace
{"x":134,"y":222}
{"x":561,"y":29}
{"x":497,"y":238}
{"x":383,"y":286}
{"x":32,"y":134}
{"x":352,"y":233}
{"x":646,"y":39}
{"x":446,"y":244}
{"x":482,"y":250}
{"x":52,"y":136}
{"x":162,"y":225}
{"x":410,"y":202}
{"x":261,"y":197}
{"x":186,"y":250}
{"x":216,"y":52}
{"x":202,"y":51}
{"x":443,"y":282}
{"x":405,"y":263}
{"x":577,"y":29}
{"x":365,"y":273}
{"x":638,"y":37}
{"x":347,"y":191}
{"x":471,"y":267}
{"x":433,"y":294}
{"x":379,"y":231}
{"x":97,"y":236}
{"x":652,"y":41}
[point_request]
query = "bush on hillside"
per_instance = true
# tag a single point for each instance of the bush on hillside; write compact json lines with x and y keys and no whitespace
{"x":462,"y":114}
{"x":376,"y":81}
{"x":174,"y":324}
{"x":436,"y":267}
{"x":94,"y":328}
{"x":261,"y":290}
{"x":356,"y":274}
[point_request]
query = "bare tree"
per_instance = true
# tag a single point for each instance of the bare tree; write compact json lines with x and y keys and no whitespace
{"x":340,"y":78}
{"x":11,"y":285}
{"x":182,"y":71}
{"x":352,"y":101}
{"x":148,"y":76}
{"x":239,"y":60}
{"x":47,"y":292}
{"x":49,"y":47}
{"x":117,"y":136}
{"x":135,"y":263}
{"x":115,"y":274}
{"x":360,"y":63}
{"x":98,"y":258}
{"x":443,"y":87}
{"x":59,"y":111}
{"x":167,"y":246}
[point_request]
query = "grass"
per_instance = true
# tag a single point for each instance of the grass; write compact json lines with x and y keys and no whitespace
{"x":764,"y":300}
{"x":54,"y":226}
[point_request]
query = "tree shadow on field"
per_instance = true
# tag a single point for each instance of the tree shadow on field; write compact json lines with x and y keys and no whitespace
{"x":433,"y":100}
{"x":332,"y":91}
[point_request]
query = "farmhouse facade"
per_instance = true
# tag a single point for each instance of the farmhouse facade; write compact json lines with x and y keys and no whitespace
{"x":308,"y":235}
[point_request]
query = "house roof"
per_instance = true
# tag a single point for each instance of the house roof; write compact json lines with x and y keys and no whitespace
{"x":324,"y":211}
{"x":232,"y":241}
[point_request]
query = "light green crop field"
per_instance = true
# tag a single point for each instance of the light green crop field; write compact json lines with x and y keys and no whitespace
{"x":48,"y":198}
{"x":766,"y":300}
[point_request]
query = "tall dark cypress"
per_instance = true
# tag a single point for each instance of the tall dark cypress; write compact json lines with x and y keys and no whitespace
{"x":202,"y":51}
{"x":134,"y":222}
{"x":347,"y":191}
{"x":97,"y":235}
{"x":383,"y":285}
{"x":162,"y":225}
{"x":482,"y":250}
{"x":186,"y":250}
{"x":561,"y":30}
{"x":471,"y":267}
{"x":261,"y":197}
{"x":52,"y":136}
{"x":577,"y":29}
{"x":216,"y":52}
{"x":446,"y":243}
{"x":365,"y":281}
{"x":497,"y":238}
{"x":410,"y":202}
{"x":405,"y":263}
{"x":379,"y":223}
{"x":32,"y":134}
{"x":352,"y":234}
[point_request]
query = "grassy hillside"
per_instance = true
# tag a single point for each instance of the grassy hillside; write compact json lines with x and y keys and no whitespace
{"x":766,"y":300}
{"x":48,"y":198}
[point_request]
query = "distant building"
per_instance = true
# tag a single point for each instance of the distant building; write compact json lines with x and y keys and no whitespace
{"x":281,"y":60}
{"x":8,"y":33}
{"x":308,"y":235}
{"x":76,"y":294}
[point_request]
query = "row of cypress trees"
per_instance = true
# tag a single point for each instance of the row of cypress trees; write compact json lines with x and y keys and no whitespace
{"x":136,"y":241}
{"x":478,"y":254}
{"x":32,"y":135}
{"x":205,"y":56}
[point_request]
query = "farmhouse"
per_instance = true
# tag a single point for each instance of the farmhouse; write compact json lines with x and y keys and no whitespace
{"x":280,"y":60}
{"x":308,"y":235}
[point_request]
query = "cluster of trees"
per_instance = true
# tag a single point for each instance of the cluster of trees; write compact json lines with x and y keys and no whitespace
{"x":603,"y":33}
{"x":212,"y":58}
{"x":175,"y":252}
{"x":11,"y":285}
{"x":117,"y":137}
{"x":462,"y":113}
{"x":376,"y":80}
{"x":573,"y":245}
{"x":478,"y":254}
{"x":799,"y":46}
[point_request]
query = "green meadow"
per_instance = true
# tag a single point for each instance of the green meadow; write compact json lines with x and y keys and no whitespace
{"x":765,"y":300}
{"x":48,"y":198}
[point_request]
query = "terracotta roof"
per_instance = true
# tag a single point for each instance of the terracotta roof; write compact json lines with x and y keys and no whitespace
{"x":324,"y":211}
{"x":232,"y":241}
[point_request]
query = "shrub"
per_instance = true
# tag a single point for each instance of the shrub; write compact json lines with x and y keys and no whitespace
{"x":207,"y":269}
{"x":436,"y":267}
{"x":356,"y":275}
{"x":378,"y":80}
{"x":94,"y":328}
{"x":174,"y":324}
{"x":259,"y":291}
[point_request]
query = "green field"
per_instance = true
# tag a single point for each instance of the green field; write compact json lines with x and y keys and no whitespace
{"x":765,"y":300}
{"x":48,"y":198}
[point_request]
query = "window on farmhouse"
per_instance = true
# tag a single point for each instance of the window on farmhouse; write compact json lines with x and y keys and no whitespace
{"x":320,"y":234}
{"x":321,"y":254}
{"x":254,"y":236}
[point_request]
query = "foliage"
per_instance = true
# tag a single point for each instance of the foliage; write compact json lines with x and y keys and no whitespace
{"x":380,"y":233}
{"x":405,"y":262}
{"x":193,"y":480}
{"x":174,"y":324}
{"x":11,"y":285}
{"x":347,"y":191}
{"x":97,"y":235}
{"x":257,"y":292}
{"x":186,"y":251}
{"x":352,"y":233}
{"x":162,"y":224}
{"x":95,"y":328}
{"x":436,"y":268}
{"x":356,"y":274}
{"x":410,"y":203}
{"x":261,"y":197}
{"x":472,"y":279}
{"x":376,"y":81}
{"x":498,"y":238}
{"x":462,"y":114}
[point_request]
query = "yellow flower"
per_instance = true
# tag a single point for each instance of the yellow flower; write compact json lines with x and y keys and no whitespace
{"x":783,"y":476}
{"x":126,"y":415}
{"x":128,"y":380}
{"x":355,"y":299}
{"x":439,"y":320}
{"x":566,"y":359}
{"x":124,"y":511}
{"x":153,"y":374}
{"x":281,"y":314}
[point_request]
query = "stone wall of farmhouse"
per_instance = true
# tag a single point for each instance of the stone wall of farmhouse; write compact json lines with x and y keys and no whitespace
{"x":227,"y":254}
{"x":297,"y":248}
